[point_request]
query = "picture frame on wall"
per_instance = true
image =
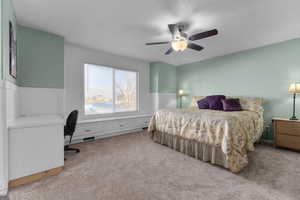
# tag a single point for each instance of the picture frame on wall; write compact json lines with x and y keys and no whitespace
{"x":12,"y":51}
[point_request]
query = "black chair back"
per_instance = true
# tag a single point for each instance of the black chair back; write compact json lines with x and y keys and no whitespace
{"x":72,"y":121}
{"x":69,"y":129}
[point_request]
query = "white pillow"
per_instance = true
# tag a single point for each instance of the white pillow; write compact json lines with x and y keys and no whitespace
{"x":250,"y":103}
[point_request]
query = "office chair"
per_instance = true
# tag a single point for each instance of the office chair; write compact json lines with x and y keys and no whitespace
{"x":69,"y":129}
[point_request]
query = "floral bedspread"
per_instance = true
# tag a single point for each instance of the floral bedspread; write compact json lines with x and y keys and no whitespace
{"x":234,"y":132}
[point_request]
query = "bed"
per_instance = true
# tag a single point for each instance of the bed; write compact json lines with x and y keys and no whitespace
{"x":218,"y":137}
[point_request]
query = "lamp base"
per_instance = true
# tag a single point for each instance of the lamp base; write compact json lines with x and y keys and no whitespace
{"x":294,"y":118}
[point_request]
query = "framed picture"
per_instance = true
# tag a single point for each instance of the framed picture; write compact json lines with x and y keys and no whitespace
{"x":12,"y":51}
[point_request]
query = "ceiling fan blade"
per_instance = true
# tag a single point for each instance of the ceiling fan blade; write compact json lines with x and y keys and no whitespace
{"x":172,"y":27}
{"x":155,"y":43}
{"x":202,"y":35}
{"x":169,"y":51}
{"x":195,"y":47}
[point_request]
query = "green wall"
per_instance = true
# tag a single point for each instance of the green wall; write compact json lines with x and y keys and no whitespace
{"x":40,"y":59}
{"x":262,"y":72}
{"x":40,"y":55}
{"x":162,"y":78}
{"x":7,"y":14}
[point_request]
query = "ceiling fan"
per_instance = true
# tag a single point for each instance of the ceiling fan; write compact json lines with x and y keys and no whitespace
{"x":180,"y":40}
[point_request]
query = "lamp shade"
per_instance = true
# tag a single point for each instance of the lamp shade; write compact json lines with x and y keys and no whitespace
{"x":182,"y":93}
{"x":294,"y":88}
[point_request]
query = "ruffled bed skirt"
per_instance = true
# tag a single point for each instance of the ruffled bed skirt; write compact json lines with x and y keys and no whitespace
{"x":204,"y":152}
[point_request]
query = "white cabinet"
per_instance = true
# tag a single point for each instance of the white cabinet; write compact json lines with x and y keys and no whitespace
{"x":99,"y":128}
{"x":36,"y":144}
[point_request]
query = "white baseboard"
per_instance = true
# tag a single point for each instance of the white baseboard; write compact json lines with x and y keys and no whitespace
{"x":3,"y":187}
{"x":118,"y":133}
{"x":105,"y":135}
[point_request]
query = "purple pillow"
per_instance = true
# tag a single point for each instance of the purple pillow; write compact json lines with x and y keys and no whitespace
{"x":215,"y":102}
{"x":203,"y":104}
{"x":231,"y":105}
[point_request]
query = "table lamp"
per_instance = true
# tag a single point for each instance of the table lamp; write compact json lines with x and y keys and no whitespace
{"x":294,"y":89}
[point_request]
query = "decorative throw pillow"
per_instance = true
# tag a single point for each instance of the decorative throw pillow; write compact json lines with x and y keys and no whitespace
{"x":215,"y":102}
{"x":231,"y":105}
{"x":203,"y":104}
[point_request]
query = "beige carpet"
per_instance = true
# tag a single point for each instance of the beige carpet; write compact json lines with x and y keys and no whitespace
{"x":132,"y":167}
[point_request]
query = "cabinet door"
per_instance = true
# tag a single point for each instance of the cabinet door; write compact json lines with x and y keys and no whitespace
{"x":91,"y":128}
{"x":35,"y":149}
{"x":288,"y":141}
{"x":288,"y":128}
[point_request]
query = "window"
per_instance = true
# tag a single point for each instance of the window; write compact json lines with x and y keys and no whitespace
{"x":109,"y":90}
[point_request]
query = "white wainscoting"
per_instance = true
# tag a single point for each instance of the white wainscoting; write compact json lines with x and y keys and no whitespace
{"x":41,"y":101}
{"x":22,"y":101}
{"x":3,"y":141}
{"x":101,"y":128}
{"x":164,"y":100}
{"x":12,"y":100}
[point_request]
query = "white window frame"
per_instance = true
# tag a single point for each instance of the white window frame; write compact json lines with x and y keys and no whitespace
{"x":114,"y":113}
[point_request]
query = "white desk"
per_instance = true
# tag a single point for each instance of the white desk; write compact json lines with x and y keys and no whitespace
{"x":36,"y":144}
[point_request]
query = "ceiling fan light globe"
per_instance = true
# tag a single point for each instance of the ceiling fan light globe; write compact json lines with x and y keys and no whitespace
{"x":179,"y":45}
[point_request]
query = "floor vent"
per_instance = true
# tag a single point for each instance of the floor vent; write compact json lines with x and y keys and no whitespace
{"x":88,"y":139}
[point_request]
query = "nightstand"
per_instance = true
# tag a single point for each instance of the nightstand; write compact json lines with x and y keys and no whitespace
{"x":286,"y":133}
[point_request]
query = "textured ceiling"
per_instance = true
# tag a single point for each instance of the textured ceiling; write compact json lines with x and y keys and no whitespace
{"x":123,"y":26}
